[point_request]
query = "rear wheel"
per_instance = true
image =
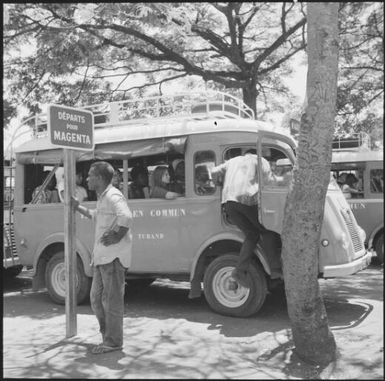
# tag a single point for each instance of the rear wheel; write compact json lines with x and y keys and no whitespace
{"x":379,"y":248}
{"x":55,"y":279}
{"x":226,"y":296}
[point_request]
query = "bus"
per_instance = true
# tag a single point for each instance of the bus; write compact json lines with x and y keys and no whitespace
{"x":189,"y":238}
{"x":11,"y":262}
{"x":354,"y":156}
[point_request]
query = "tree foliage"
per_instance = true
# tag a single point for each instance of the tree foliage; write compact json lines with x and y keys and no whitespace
{"x":361,"y":66}
{"x":79,"y":46}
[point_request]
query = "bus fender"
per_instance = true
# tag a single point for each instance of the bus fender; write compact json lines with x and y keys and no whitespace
{"x":373,"y":235}
{"x":233,"y":235}
{"x":58,"y":238}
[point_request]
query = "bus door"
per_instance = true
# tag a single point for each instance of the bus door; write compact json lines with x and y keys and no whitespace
{"x":273,"y":195}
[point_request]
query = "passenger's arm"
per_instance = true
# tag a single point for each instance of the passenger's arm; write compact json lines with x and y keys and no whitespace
{"x":172,"y":195}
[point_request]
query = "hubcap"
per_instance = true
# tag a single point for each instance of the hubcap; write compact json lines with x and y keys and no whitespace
{"x":228,"y":291}
{"x":58,"y":279}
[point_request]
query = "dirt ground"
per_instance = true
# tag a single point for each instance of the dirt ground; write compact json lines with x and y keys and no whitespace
{"x":169,"y":336}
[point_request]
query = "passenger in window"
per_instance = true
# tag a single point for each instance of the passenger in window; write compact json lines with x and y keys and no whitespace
{"x":161,"y":178}
{"x":49,"y":194}
{"x":203,"y":183}
{"x":240,"y":199}
{"x":117,"y":179}
{"x":80,"y":191}
{"x":377,"y":181}
{"x":177,"y":184}
{"x":138,"y":188}
{"x":342,"y":179}
{"x":349,"y":189}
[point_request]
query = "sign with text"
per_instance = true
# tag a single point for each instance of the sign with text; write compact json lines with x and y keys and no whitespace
{"x":71,"y":128}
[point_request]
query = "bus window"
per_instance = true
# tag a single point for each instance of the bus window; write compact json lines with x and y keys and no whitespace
{"x":376,"y":181}
{"x":347,"y":172}
{"x":203,"y":182}
{"x":280,"y":165}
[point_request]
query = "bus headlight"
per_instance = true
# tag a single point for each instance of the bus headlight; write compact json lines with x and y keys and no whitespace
{"x":361,"y":233}
{"x":344,"y":241}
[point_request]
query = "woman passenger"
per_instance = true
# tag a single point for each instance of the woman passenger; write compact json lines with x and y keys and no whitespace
{"x":349,"y":189}
{"x":161,"y":179}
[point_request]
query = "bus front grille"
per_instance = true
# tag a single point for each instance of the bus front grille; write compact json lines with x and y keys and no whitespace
{"x":9,"y":237}
{"x":353,"y":231}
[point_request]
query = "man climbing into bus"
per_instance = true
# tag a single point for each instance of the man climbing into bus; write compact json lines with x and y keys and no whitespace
{"x":240,"y":199}
{"x":111,"y":254}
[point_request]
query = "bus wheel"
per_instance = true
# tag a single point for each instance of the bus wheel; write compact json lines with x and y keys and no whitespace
{"x":379,"y":248}
{"x":55,"y":279}
{"x":226,"y":296}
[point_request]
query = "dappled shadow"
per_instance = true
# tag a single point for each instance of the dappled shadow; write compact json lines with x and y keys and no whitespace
{"x":165,"y":299}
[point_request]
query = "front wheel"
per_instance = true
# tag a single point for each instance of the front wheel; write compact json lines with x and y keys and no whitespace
{"x":379,"y":248}
{"x":55,"y":279}
{"x":226,"y":296}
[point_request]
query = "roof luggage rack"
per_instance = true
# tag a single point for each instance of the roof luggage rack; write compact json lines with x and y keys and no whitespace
{"x":355,"y":142}
{"x":192,"y":105}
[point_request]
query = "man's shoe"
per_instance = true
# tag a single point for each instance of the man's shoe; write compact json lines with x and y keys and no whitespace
{"x":241,"y":279}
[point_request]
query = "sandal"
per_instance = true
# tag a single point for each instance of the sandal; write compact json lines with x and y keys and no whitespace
{"x":102,"y":348}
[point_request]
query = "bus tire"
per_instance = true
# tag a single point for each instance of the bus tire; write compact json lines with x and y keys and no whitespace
{"x":55,"y":279}
{"x":379,"y":248}
{"x":219,"y":288}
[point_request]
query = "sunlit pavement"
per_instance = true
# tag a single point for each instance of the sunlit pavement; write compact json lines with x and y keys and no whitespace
{"x":166,"y":335}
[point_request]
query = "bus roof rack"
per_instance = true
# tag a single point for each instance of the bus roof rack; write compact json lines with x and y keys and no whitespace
{"x":356,"y":142}
{"x":189,"y":105}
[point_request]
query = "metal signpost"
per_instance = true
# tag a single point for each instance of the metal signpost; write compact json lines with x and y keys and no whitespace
{"x":71,"y":129}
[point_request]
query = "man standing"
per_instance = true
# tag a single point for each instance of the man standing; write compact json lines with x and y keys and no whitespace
{"x":240,"y":199}
{"x":111,"y":254}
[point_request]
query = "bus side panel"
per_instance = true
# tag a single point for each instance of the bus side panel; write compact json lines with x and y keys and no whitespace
{"x":167,"y":233}
{"x":34,"y":223}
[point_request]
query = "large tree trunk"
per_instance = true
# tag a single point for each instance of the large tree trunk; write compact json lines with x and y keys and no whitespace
{"x":304,"y":208}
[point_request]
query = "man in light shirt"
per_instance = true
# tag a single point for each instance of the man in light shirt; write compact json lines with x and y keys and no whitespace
{"x":111,"y":254}
{"x":240,"y":199}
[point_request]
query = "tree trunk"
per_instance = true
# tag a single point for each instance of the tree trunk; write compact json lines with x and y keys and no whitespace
{"x":250,"y":94}
{"x":304,"y":208}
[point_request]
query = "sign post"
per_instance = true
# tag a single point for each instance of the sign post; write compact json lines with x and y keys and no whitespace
{"x":71,"y":129}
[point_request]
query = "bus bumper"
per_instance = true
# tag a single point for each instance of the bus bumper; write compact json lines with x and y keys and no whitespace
{"x":10,"y":262}
{"x":348,"y":268}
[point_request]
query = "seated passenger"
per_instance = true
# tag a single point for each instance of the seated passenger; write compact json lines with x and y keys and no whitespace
{"x":203,"y":183}
{"x":377,"y":182}
{"x":177,"y":184}
{"x":349,"y":189}
{"x":341,"y":179}
{"x":117,"y":179}
{"x":49,"y":194}
{"x":80,"y":191}
{"x":138,"y":188}
{"x":161,"y":178}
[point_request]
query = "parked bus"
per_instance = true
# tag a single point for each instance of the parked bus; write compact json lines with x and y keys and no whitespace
{"x":189,"y":238}
{"x":11,"y":262}
{"x":354,"y":156}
